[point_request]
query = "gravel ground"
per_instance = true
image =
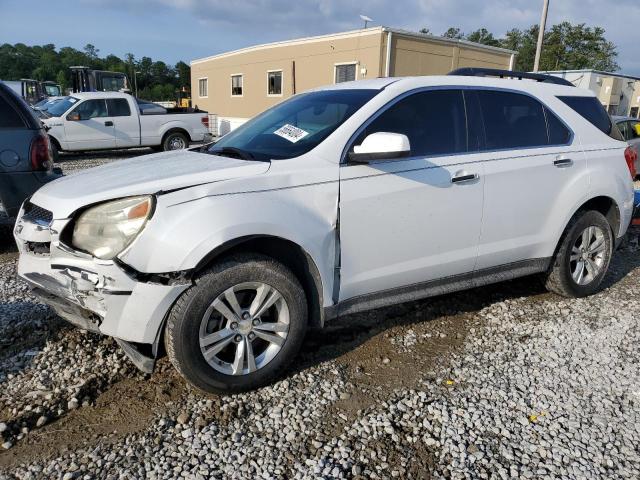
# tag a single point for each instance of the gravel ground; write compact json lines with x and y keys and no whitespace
{"x":506,"y":381}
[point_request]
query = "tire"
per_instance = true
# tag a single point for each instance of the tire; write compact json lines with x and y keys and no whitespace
{"x":55,"y":152}
{"x":194,"y":321}
{"x":175,"y":141}
{"x":564,"y":277}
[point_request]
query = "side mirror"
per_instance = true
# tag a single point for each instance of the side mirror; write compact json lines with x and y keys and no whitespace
{"x":381,"y":146}
{"x":73,"y":116}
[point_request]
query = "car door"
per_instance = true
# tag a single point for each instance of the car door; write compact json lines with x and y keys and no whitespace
{"x":89,"y":127}
{"x":408,"y":221}
{"x":126,"y":124}
{"x":527,"y":167}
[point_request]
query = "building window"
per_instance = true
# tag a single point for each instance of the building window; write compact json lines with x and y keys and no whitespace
{"x":345,"y":72}
{"x":203,"y":87}
{"x":274,"y":83}
{"x":236,"y":85}
{"x":633,"y":112}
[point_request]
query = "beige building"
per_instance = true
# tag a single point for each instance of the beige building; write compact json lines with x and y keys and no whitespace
{"x":618,"y":93}
{"x":240,"y":84}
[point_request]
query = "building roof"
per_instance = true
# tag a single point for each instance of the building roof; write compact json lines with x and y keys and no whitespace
{"x":590,"y":70}
{"x":356,"y":33}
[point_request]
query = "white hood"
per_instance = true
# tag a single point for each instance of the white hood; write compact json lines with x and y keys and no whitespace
{"x":138,"y":176}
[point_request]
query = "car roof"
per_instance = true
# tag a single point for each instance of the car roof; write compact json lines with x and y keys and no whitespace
{"x":410,"y":83}
{"x":86,"y":95}
{"x":623,"y":118}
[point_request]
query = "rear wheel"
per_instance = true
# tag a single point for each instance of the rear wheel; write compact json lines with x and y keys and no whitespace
{"x":239,"y":326}
{"x":175,"y":141}
{"x":55,"y":151}
{"x":583,"y":257}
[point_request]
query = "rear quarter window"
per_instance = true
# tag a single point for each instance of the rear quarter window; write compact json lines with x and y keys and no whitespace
{"x":9,"y":117}
{"x":559,"y":134}
{"x":118,"y":107}
{"x":592,"y":110}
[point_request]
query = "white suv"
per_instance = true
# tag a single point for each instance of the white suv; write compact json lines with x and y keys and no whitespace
{"x":338,"y":200}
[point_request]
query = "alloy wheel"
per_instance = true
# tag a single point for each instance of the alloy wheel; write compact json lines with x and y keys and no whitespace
{"x":244,"y":328}
{"x":588,"y":255}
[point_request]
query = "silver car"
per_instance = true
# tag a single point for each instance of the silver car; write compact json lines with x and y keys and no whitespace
{"x":630,"y":129}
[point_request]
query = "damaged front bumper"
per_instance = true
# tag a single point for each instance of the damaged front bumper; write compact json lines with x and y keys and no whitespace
{"x":96,"y":295}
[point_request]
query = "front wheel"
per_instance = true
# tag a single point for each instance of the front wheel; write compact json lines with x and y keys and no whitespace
{"x":175,"y":141}
{"x":239,"y":326}
{"x":583,"y":257}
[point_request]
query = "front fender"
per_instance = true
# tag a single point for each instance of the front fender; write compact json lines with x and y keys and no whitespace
{"x":180,"y":236}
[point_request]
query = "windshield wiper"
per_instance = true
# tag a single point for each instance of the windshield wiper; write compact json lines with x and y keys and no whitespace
{"x":233,"y":152}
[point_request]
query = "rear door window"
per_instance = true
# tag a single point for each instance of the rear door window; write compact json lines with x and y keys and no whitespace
{"x":434,"y":121}
{"x":118,"y":107}
{"x":9,"y":117}
{"x":592,"y":110}
{"x":512,"y":120}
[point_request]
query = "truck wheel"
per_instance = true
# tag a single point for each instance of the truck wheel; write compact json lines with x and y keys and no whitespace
{"x":239,"y":326}
{"x":175,"y":141}
{"x":583,"y":257}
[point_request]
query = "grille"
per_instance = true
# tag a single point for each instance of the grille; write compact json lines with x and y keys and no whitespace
{"x":35,"y":214}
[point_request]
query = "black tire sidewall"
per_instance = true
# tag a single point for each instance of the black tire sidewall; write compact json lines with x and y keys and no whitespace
{"x":187,"y":316}
{"x":590,"y":218}
{"x":167,"y":140}
{"x":55,"y":152}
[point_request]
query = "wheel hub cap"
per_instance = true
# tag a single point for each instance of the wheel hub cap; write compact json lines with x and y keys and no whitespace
{"x":245,"y":326}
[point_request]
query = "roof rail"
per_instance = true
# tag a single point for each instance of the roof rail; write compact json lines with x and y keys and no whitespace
{"x":493,"y":72}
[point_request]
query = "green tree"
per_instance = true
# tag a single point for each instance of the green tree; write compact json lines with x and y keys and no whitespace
{"x":61,"y":79}
{"x":453,"y":32}
{"x":484,"y":37}
{"x":183,"y":71}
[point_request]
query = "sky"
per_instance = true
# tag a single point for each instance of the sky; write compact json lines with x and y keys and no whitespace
{"x":172,"y":30}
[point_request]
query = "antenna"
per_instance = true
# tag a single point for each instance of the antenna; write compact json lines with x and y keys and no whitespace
{"x":366,"y":20}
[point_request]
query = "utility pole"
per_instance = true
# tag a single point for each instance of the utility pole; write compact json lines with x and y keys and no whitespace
{"x":543,"y":23}
{"x":135,"y":81}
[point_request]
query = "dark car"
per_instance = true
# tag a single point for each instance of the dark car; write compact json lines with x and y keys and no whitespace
{"x":636,"y":213}
{"x":25,"y":153}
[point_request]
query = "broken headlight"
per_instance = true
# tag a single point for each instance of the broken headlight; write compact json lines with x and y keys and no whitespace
{"x":108,"y":228}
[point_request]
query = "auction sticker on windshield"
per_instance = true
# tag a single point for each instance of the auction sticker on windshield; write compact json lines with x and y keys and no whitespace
{"x":291,"y":133}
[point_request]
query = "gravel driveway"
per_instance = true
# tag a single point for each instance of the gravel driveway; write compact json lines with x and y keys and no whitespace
{"x":506,"y":381}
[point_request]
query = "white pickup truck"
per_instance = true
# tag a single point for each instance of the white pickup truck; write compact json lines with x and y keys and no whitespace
{"x":113,"y":120}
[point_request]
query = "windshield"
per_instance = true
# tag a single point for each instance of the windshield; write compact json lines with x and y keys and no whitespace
{"x":61,"y":106}
{"x":52,"y":90}
{"x":295,"y":126}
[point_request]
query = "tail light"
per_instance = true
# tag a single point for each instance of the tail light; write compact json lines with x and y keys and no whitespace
{"x":205,"y":121}
{"x":41,"y":153}
{"x":631,"y":156}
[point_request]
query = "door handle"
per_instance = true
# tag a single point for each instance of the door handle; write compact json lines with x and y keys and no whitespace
{"x":108,"y":123}
{"x":464,"y":177}
{"x":563,"y":162}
